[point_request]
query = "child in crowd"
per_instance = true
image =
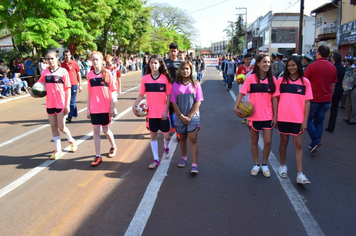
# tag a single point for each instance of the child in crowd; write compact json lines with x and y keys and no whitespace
{"x":263,"y":90}
{"x":186,"y":97}
{"x":293,"y":113}
{"x":157,"y":87}
{"x":101,"y":105}
{"x":58,"y":96}
{"x":244,"y":69}
{"x":5,"y":85}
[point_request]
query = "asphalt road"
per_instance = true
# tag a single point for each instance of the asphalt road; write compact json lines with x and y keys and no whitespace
{"x":122,"y":196}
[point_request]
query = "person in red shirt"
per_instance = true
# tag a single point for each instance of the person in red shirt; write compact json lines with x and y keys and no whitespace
{"x":101,"y":104}
{"x":116,"y":75}
{"x":245,"y":69}
{"x":263,"y":90}
{"x":322,"y":75}
{"x":57,"y":84}
{"x":75,"y":79}
{"x":293,"y":111}
{"x":157,"y":87}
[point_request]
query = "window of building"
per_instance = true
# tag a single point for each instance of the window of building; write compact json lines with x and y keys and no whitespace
{"x":283,"y":36}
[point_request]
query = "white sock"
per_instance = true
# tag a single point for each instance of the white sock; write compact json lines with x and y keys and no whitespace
{"x":57,"y":142}
{"x":165,"y":142}
{"x":154,"y":147}
{"x":69,"y":136}
{"x":300,"y":173}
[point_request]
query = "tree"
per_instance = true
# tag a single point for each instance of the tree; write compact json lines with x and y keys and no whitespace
{"x":85,"y":23}
{"x":237,"y":33}
{"x":176,"y":20}
{"x":35,"y":24}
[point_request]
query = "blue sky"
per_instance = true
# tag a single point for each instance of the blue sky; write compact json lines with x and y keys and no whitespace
{"x":211,"y":21}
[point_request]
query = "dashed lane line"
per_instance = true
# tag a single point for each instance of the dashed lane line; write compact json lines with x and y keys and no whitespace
{"x":46,"y":125}
{"x":23,"y":179}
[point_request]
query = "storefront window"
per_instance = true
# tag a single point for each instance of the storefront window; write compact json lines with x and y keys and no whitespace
{"x":283,"y":35}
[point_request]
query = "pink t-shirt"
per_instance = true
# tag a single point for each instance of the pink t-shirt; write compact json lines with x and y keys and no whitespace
{"x":261,"y":100}
{"x":100,"y":92}
{"x":156,"y":91}
{"x":57,"y":84}
{"x":291,"y":106}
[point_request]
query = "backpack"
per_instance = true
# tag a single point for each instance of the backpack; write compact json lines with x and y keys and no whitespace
{"x":348,"y":82}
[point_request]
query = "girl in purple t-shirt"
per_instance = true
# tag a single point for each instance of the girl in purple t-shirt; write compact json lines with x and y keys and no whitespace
{"x":186,"y":97}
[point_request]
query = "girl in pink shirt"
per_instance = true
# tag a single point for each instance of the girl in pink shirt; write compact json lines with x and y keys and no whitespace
{"x":57,"y":101}
{"x":263,"y":90}
{"x":157,"y":87}
{"x":293,"y":113}
{"x":101,"y":105}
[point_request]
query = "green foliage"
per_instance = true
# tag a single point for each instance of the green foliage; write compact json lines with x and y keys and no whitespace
{"x":236,"y":31}
{"x":8,"y":54}
{"x":85,"y":22}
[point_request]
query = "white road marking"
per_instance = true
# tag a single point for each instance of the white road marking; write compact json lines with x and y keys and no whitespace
{"x":310,"y":225}
{"x":143,"y":212}
{"x":44,"y":126}
{"x":23,"y":179}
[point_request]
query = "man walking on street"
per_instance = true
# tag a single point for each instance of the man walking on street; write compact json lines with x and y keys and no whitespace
{"x":75,"y":79}
{"x":322,"y":75}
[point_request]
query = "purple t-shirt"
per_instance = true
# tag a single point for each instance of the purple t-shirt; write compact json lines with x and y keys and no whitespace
{"x":185,"y":96}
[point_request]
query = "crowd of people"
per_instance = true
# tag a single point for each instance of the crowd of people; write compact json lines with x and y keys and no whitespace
{"x":292,"y":94}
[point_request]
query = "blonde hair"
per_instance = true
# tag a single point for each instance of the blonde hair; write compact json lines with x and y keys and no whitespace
{"x":55,"y":54}
{"x":103,"y":70}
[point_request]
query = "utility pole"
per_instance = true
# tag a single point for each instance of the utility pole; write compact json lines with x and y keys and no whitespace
{"x":300,"y":35}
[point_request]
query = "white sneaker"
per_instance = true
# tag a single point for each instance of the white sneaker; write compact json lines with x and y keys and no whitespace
{"x":255,"y":170}
{"x":282,"y":171}
{"x":302,"y":179}
{"x":265,"y":171}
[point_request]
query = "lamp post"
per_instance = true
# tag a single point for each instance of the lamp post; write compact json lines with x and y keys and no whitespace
{"x":232,"y":36}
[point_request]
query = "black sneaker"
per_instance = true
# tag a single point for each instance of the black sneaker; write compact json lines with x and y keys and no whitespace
{"x":68,"y":120}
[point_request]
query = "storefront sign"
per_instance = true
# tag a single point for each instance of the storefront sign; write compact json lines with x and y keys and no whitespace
{"x":346,"y":34}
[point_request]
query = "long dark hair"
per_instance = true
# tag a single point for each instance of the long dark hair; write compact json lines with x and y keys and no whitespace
{"x":256,"y":70}
{"x":286,"y":74}
{"x":162,"y":67}
{"x":179,"y":75}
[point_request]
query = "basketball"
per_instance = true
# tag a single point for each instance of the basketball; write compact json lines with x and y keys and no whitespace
{"x":39,"y":89}
{"x":240,"y":78}
{"x":142,"y":109}
{"x":247,"y":108}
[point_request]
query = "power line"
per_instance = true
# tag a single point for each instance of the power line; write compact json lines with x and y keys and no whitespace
{"x":209,"y":6}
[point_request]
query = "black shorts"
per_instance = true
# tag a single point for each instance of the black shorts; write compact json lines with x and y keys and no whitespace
{"x":289,"y":128}
{"x":102,"y":119}
{"x":54,"y":111}
{"x":259,"y":125}
{"x":155,"y":124}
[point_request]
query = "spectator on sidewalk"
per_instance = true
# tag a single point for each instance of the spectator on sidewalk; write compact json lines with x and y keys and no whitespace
{"x":30,"y":71}
{"x":322,"y":76}
{"x":338,"y":92}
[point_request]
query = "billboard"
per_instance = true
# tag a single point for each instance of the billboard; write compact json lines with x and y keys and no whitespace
{"x":346,"y":34}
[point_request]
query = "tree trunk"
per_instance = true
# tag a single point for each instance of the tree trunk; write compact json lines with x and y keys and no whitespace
{"x":105,"y":35}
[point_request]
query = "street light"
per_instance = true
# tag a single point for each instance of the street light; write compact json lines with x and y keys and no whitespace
{"x":232,"y":36}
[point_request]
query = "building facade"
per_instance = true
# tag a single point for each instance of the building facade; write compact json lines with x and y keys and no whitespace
{"x":346,"y":32}
{"x":279,"y":33}
{"x":219,"y":48}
